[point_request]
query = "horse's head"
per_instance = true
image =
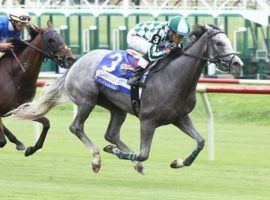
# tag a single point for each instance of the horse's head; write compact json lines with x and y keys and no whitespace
{"x":220,"y":51}
{"x":55,"y":47}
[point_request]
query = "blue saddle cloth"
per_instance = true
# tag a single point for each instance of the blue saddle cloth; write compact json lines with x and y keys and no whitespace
{"x":114,"y":70}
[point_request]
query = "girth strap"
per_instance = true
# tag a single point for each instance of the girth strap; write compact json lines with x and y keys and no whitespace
{"x":135,"y":100}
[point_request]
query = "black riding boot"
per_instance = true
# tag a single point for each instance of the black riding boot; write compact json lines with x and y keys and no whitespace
{"x":135,"y":77}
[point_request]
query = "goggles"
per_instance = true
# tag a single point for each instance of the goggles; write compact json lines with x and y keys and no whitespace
{"x":22,"y":18}
{"x":25,"y":18}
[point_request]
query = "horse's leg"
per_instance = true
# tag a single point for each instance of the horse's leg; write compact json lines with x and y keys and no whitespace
{"x":3,"y":140}
{"x":118,"y":116}
{"x":45,"y":127}
{"x":13,"y":139}
{"x":77,"y":128}
{"x":147,"y":133}
{"x":185,"y":124}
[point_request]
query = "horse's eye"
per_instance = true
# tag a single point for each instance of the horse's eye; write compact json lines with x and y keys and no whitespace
{"x":219,"y":44}
{"x":51,"y":41}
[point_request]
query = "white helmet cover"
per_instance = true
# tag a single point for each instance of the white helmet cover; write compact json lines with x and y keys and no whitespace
{"x":20,"y":15}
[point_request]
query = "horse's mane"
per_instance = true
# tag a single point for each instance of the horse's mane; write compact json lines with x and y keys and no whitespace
{"x":197,"y":32}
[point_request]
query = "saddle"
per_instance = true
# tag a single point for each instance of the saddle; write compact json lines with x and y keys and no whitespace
{"x":115,"y":69}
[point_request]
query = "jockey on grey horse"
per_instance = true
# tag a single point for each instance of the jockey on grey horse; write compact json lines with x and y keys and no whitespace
{"x":156,"y":40}
{"x":168,"y":98}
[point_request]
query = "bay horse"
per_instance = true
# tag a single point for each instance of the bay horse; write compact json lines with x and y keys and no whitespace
{"x":168,"y":98}
{"x":19,"y":70}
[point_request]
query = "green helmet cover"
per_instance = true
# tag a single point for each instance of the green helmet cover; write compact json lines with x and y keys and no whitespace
{"x":179,"y":25}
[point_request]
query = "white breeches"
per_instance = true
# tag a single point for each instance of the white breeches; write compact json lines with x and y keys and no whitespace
{"x":137,"y":43}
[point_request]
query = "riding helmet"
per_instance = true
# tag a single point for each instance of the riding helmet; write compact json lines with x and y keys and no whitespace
{"x":179,"y":25}
{"x":20,"y":15}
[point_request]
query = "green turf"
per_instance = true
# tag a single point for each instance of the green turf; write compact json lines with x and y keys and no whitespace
{"x":241,"y":170}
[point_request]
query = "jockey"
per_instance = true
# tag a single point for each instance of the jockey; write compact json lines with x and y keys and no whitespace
{"x":11,"y":27}
{"x":155,"y":40}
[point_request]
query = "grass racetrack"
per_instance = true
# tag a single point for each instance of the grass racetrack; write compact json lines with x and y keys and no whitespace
{"x":240,"y":171}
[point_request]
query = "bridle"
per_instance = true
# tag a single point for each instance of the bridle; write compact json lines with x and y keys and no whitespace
{"x":216,"y":59}
{"x":48,"y":51}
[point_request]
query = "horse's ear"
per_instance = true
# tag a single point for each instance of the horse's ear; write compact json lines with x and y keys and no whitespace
{"x":32,"y":30}
{"x":207,"y":27}
{"x":49,"y":24}
{"x":38,"y":29}
{"x":204,"y":25}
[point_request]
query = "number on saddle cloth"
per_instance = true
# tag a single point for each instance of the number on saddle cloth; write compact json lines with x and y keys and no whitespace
{"x":115,"y":68}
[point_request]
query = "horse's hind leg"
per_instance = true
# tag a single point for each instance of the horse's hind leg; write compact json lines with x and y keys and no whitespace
{"x":45,"y":127}
{"x":13,"y":139}
{"x":147,"y":132}
{"x":77,"y":127}
{"x":3,"y":140}
{"x":118,"y":116}
{"x":187,"y":127}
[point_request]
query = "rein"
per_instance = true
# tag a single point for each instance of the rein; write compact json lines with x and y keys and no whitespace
{"x":217,"y":58}
{"x":32,"y":46}
{"x":36,"y":48}
{"x":13,"y":53}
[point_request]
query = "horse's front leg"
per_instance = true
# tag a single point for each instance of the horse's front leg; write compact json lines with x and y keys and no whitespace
{"x":45,"y":127}
{"x":147,"y":133}
{"x":13,"y":139}
{"x":185,"y":124}
{"x":118,"y":116}
{"x":77,"y":128}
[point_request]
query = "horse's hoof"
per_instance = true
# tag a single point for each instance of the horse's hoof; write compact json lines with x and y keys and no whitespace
{"x":95,"y":166}
{"x":21,"y":147}
{"x":109,"y":148}
{"x":177,"y":164}
{"x":2,"y":144}
{"x":139,"y":167}
{"x":29,"y":151}
{"x":96,"y":163}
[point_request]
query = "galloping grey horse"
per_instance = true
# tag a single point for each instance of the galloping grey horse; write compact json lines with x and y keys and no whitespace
{"x":168,"y":98}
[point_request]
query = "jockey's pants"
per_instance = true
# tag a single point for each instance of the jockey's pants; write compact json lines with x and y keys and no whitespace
{"x":137,"y":43}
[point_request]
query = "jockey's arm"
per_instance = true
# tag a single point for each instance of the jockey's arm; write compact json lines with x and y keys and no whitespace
{"x":155,"y":54}
{"x":4,"y":46}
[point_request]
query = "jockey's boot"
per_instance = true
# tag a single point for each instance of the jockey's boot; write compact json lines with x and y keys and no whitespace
{"x":136,"y":76}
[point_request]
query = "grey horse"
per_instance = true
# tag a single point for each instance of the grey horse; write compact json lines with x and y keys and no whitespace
{"x":168,"y":98}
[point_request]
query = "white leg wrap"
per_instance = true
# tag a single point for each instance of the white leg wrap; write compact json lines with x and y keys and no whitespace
{"x":143,"y":63}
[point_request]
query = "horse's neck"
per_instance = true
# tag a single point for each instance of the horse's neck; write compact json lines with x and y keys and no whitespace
{"x":31,"y":59}
{"x":189,"y":68}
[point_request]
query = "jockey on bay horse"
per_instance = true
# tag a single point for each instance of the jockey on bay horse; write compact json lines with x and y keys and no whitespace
{"x":11,"y":27}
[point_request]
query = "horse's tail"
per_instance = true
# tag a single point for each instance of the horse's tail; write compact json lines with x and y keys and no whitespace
{"x":52,"y":94}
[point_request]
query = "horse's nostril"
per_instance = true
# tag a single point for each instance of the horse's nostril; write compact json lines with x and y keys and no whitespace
{"x":56,"y":57}
{"x":237,"y":64}
{"x":71,"y":59}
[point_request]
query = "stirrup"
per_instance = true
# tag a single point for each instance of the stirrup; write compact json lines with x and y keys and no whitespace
{"x":132,"y":80}
{"x":135,"y":81}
